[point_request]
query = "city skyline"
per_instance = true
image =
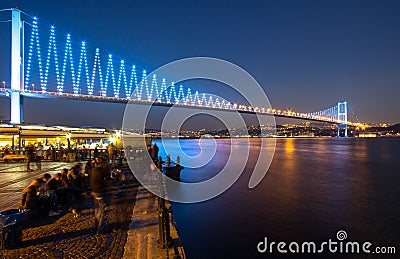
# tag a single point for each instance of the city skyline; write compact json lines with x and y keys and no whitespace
{"x":352,"y":51}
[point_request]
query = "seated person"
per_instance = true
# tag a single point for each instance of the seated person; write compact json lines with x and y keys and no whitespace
{"x":54,"y":183}
{"x":30,"y":195}
{"x":39,"y":184}
{"x":80,"y":179}
{"x":30,"y":200}
{"x":55,"y":193}
{"x":64,"y":177}
{"x":71,"y":175}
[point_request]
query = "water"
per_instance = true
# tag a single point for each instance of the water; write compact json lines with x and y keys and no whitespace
{"x":313,"y":188}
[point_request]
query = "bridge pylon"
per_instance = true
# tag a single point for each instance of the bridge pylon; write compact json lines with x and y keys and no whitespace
{"x":342,"y":117}
{"x":17,"y":66}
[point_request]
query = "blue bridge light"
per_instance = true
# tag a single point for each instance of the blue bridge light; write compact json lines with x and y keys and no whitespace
{"x":121,"y":80}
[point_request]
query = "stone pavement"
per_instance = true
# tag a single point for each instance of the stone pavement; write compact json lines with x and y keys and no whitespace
{"x":14,"y":178}
{"x":143,"y":231}
{"x":132,"y":218}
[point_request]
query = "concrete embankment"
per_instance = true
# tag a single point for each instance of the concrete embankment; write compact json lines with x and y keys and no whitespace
{"x":143,"y":233}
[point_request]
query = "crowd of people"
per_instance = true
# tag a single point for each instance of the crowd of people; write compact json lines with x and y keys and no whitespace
{"x":51,"y":196}
{"x":35,"y":153}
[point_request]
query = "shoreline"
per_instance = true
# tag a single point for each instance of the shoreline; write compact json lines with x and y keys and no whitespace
{"x":142,"y":235}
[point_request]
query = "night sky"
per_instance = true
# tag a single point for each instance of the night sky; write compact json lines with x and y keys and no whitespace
{"x":307,"y":55}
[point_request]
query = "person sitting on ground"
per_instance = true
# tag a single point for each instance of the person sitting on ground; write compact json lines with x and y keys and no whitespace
{"x":30,"y":195}
{"x":64,"y":177}
{"x":69,"y":193}
{"x":39,"y":184}
{"x":71,"y":177}
{"x":78,"y":169}
{"x":30,"y":200}
{"x":54,"y":183}
{"x":74,"y":182}
{"x":55,"y":194}
{"x":75,"y":176}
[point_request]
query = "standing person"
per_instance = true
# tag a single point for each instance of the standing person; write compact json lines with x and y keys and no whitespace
{"x":154,"y":152}
{"x":110,"y":150}
{"x":29,"y":157}
{"x":39,"y":156}
{"x":98,"y":185}
{"x":85,"y":152}
{"x":96,"y":152}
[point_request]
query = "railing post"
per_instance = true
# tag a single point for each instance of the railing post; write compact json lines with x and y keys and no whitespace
{"x":163,"y":215}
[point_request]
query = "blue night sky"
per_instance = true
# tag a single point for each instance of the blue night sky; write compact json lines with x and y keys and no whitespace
{"x":307,"y":55}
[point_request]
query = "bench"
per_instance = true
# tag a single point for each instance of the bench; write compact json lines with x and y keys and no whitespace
{"x":13,"y":157}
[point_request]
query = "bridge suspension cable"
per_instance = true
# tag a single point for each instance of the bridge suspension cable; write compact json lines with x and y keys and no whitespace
{"x":99,"y":75}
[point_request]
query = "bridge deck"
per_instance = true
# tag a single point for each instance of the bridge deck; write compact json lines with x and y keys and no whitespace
{"x":107,"y":99}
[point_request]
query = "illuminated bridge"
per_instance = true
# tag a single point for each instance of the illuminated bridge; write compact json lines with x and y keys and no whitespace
{"x":52,"y":65}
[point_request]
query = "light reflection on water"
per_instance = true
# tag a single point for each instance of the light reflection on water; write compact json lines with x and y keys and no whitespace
{"x":313,"y":188}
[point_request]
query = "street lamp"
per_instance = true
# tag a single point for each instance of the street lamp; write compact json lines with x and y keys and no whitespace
{"x":4,"y":84}
{"x":33,"y":87}
{"x":112,"y":139}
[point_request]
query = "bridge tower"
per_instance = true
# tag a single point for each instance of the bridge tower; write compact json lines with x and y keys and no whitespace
{"x":342,"y":117}
{"x":17,"y":66}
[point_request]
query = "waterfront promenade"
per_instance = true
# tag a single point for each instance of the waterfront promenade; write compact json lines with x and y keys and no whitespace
{"x":132,"y":217}
{"x":14,"y":178}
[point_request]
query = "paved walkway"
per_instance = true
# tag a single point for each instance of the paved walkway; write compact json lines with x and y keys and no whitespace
{"x":132,"y":217}
{"x":14,"y":178}
{"x":143,"y":231}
